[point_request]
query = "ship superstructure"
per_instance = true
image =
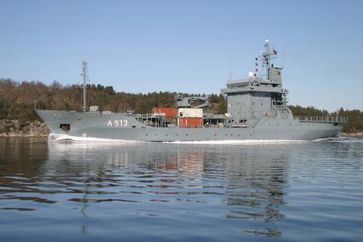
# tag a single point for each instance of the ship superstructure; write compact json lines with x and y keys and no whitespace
{"x":257,"y":97}
{"x":256,"y":109}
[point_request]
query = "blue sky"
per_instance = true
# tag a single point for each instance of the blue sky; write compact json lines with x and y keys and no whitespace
{"x":187,"y":46}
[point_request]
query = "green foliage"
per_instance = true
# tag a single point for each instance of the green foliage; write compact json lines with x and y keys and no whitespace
{"x":355,"y":117}
{"x":355,"y":120}
{"x":309,"y":111}
{"x":18,"y":100}
{"x":219,"y":104}
{"x":4,"y":108}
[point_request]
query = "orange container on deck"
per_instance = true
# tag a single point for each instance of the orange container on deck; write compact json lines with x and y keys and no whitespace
{"x":169,"y":112}
{"x":190,"y":122}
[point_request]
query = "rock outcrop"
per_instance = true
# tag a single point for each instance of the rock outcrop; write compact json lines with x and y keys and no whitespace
{"x":10,"y":128}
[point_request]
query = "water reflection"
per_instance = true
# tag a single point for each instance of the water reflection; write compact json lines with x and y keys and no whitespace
{"x":249,"y":181}
{"x":257,"y":178}
{"x":216,"y":192}
{"x":245,"y":183}
{"x":242,"y":183}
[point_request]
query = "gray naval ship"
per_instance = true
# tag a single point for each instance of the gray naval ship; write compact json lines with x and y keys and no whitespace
{"x":256,"y":110}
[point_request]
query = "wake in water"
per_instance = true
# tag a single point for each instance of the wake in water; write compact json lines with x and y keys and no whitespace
{"x":68,"y":138}
{"x":239,"y":142}
{"x":63,"y":138}
{"x":341,"y":140}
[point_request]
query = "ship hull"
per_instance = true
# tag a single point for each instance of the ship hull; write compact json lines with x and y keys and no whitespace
{"x":116,"y":126}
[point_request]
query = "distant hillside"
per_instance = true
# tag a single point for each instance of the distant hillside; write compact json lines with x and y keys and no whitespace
{"x":18,"y":100}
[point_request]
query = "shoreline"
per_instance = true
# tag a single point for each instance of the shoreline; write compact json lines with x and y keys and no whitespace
{"x":5,"y":135}
{"x":352,"y":135}
{"x":16,"y":128}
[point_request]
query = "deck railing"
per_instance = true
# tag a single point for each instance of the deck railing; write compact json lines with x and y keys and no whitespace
{"x":322,"y":119}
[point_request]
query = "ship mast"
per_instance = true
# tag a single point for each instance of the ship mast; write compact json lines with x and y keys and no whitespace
{"x":266,"y":55}
{"x":84,"y":74}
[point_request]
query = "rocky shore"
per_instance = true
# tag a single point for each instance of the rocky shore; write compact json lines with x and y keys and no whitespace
{"x":16,"y":128}
{"x":356,"y":134}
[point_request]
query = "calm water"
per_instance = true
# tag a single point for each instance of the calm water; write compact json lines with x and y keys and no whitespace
{"x":310,"y":191}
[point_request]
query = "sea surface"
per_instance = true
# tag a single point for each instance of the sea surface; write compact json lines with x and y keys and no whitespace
{"x":103,"y":191}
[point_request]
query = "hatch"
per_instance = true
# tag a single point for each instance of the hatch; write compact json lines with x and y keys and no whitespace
{"x":65,"y":127}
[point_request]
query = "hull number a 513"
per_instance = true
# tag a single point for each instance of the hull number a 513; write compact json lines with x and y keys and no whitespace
{"x":117,"y":123}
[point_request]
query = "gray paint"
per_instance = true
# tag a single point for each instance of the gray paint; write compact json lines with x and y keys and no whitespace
{"x":95,"y":125}
{"x":257,"y":109}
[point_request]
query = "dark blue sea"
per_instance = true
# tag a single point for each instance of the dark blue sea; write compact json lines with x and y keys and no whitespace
{"x":278,"y":191}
